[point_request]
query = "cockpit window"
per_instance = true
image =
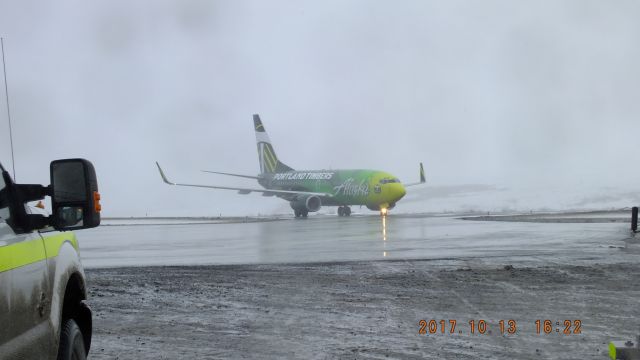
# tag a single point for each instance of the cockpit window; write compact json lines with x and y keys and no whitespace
{"x":388,"y":181}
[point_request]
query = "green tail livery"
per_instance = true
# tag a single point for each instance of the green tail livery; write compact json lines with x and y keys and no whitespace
{"x":308,"y":190}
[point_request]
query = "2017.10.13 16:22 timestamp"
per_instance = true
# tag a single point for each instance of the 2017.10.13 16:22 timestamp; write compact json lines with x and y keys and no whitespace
{"x":502,"y":327}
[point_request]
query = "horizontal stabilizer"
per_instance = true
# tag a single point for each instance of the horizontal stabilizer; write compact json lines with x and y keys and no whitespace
{"x":229,"y":174}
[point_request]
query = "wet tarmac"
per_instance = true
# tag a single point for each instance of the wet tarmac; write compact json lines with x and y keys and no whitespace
{"x":363,"y":310}
{"x":358,"y":288}
{"x":329,"y":238}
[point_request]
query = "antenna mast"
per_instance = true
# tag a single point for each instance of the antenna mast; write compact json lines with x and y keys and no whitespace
{"x":6,"y":93}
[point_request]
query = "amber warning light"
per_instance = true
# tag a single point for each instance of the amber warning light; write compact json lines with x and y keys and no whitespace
{"x":96,"y":201}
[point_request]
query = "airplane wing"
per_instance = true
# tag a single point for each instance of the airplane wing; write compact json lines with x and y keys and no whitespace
{"x":265,"y":192}
{"x":422,"y":178}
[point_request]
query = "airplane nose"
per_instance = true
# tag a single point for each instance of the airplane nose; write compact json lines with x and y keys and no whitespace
{"x":398,"y":191}
{"x":403,"y":191}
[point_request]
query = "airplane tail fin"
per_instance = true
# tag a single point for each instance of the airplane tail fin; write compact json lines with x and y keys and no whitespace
{"x":269,"y":162}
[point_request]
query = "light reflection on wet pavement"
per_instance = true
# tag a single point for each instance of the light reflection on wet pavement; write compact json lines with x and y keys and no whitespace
{"x":327,"y":238}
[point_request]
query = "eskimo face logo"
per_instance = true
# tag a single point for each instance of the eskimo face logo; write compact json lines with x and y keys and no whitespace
{"x":351,"y":188}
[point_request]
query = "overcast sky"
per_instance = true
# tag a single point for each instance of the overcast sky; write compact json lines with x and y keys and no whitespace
{"x":503,"y":94}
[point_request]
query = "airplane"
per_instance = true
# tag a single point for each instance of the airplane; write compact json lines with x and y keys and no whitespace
{"x":308,"y":190}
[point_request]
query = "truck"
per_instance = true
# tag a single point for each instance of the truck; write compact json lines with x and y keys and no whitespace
{"x":43,"y":291}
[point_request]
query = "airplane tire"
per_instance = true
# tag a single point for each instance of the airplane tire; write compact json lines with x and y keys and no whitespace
{"x":305,"y":213}
{"x":347,"y":211}
{"x":340,"y":211}
{"x":297,"y":213}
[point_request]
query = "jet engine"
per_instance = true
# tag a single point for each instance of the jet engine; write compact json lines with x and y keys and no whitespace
{"x":309,"y":203}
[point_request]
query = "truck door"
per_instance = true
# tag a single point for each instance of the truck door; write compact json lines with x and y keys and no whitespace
{"x":24,"y":297}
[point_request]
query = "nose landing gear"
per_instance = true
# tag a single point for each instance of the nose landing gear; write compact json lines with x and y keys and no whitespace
{"x":344,"y":211}
{"x":301,"y":213}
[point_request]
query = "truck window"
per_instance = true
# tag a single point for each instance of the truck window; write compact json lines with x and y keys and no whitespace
{"x":5,"y":231}
{"x":4,"y":208}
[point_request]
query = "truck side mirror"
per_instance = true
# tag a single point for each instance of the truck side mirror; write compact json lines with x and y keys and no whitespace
{"x":74,"y":195}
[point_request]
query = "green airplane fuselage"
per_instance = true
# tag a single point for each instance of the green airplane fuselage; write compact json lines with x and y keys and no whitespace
{"x":374,"y":189}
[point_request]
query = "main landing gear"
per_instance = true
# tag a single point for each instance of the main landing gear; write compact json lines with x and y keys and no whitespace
{"x":344,"y":211}
{"x":301,"y":213}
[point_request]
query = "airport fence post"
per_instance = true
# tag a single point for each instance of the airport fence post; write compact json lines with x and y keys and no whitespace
{"x":634,"y":218}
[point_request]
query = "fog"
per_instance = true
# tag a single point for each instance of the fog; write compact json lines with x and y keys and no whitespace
{"x":518,"y":105}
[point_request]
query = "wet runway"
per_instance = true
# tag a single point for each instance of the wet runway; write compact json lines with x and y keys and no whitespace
{"x":329,"y":238}
{"x":336,"y":308}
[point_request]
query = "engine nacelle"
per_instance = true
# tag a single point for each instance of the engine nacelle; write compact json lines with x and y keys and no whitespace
{"x":306,"y":203}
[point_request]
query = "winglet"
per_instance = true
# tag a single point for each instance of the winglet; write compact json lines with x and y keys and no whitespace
{"x":422,"y":178}
{"x":164,"y":178}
